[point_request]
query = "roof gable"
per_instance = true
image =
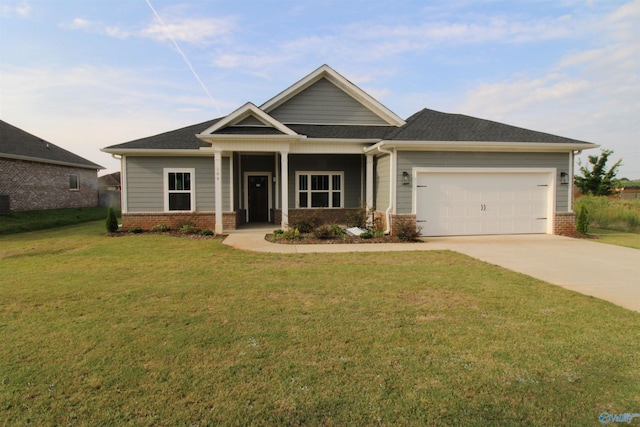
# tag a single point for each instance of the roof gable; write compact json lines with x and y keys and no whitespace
{"x":248,"y":113}
{"x":319,"y":93}
{"x":15,"y":143}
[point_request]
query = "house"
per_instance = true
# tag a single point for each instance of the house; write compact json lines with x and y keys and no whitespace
{"x":325,"y":146}
{"x":36,"y":174}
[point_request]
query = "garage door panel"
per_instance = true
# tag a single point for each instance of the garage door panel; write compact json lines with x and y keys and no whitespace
{"x":482,"y":203}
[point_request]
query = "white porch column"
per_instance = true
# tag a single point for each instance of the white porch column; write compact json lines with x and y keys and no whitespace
{"x":284,"y":188}
{"x":369,"y":183}
{"x":217,"y":168}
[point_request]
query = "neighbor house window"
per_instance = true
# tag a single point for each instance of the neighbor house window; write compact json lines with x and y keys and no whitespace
{"x":74,"y":182}
{"x":179,"y":189}
{"x":319,"y":189}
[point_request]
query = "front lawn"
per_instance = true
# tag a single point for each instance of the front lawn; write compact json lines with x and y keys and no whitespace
{"x":19,"y":222}
{"x":161,"y":330}
{"x":619,"y":238}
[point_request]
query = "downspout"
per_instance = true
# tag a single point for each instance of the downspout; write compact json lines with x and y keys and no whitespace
{"x":391,"y":185}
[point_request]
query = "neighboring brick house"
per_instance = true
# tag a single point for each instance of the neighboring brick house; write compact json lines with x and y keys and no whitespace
{"x":37,"y":175}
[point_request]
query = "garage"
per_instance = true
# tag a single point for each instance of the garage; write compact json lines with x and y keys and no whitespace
{"x":459,"y":201}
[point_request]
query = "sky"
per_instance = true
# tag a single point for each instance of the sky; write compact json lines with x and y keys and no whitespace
{"x":85,"y":75}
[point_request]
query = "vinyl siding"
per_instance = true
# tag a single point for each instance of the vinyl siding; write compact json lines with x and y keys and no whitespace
{"x":325,"y":103}
{"x":145,"y":192}
{"x":351,"y":165}
{"x":250,"y":121}
{"x":407,"y":160}
{"x":381,"y":183}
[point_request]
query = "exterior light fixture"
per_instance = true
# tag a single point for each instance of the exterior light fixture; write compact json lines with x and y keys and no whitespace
{"x":406,"y":178}
{"x":564,"y":178}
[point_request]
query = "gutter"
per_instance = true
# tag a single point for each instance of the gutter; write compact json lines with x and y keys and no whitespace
{"x":392,"y":168}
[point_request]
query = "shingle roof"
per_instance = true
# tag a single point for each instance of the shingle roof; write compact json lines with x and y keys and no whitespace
{"x":425,"y":125}
{"x":18,"y":144}
{"x":179,"y":139}
{"x":430,"y":125}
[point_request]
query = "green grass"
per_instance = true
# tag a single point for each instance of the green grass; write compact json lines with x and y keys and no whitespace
{"x":610,"y":213}
{"x":19,"y":222}
{"x":161,"y":330}
{"x":619,"y":238}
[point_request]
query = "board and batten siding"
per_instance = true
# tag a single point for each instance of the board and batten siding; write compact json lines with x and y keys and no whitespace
{"x":350,"y":164}
{"x":381,"y":182}
{"x":145,"y":182}
{"x":324,"y":103}
{"x":407,"y":160}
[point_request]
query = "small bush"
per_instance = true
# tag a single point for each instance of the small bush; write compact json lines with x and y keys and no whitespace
{"x":160,"y":228}
{"x":336,"y":230}
{"x":135,"y":230}
{"x":207,"y":233}
{"x":112,"y":221}
{"x":407,"y":231}
{"x":291,"y":235}
{"x":278,"y":233}
{"x":323,"y":232}
{"x":306,"y":222}
{"x":357,"y":218}
{"x":367,"y":234}
{"x":582,"y":220}
{"x":189,"y":229}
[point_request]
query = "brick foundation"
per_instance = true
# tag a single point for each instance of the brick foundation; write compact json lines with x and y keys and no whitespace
{"x":201,"y":220}
{"x":564,"y":223}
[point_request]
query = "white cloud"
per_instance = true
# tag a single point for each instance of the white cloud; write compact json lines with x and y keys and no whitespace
{"x":21,"y":9}
{"x":189,"y":30}
{"x":593,"y":95}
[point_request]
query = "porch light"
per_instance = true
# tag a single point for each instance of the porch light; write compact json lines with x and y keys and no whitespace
{"x":564,"y":178}
{"x":406,"y":178}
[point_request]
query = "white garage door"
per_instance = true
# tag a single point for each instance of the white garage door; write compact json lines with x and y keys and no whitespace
{"x":473,"y":203}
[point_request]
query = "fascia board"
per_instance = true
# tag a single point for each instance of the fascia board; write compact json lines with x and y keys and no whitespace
{"x":51,"y":162}
{"x":156,"y":152}
{"x":342,"y":83}
{"x":245,"y":111}
{"x":482,"y":146}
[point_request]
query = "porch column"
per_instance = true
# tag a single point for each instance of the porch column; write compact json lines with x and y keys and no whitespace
{"x":369,"y":183}
{"x":284,"y":188}
{"x":217,"y":168}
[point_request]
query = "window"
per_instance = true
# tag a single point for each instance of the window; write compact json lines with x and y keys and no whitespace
{"x":74,"y":182}
{"x":179,"y":192}
{"x":319,"y":189}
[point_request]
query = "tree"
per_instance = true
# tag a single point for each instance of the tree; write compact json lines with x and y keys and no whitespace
{"x":597,"y":181}
{"x":112,"y":221}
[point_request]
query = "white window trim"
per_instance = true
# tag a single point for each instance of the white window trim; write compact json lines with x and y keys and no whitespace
{"x":77,"y":188}
{"x":165,"y":188}
{"x":330,"y":173}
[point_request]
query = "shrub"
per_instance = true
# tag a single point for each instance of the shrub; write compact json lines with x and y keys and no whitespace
{"x":582,"y":220}
{"x":135,"y":230}
{"x":336,"y":230}
{"x":112,"y":221}
{"x":278,"y":233}
{"x":367,"y":234}
{"x":357,"y":218}
{"x":291,"y":235}
{"x":406,"y":230}
{"x":323,"y":232}
{"x":188,"y":229}
{"x":207,"y":233}
{"x":160,"y":228}
{"x":306,"y":222}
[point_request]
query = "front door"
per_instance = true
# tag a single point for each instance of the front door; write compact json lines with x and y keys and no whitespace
{"x":258,"y":198}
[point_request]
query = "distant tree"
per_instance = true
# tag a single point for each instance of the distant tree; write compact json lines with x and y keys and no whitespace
{"x":598,"y":180}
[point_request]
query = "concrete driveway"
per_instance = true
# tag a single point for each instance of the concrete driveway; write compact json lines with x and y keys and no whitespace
{"x":604,"y":271}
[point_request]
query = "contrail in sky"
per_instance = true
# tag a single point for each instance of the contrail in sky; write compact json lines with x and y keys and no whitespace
{"x":183,"y":55}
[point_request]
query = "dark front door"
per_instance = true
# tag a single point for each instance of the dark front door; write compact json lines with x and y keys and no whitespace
{"x":258,"y":198}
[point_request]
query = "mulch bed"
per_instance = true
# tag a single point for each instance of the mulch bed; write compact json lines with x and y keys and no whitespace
{"x":346,"y":239}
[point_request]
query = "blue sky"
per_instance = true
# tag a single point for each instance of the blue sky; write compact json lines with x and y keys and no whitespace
{"x":88,"y":74}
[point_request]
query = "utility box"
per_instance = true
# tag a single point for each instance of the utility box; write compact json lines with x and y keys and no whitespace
{"x":5,"y":206}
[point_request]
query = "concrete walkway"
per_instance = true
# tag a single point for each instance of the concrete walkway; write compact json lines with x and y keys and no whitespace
{"x":604,"y":271}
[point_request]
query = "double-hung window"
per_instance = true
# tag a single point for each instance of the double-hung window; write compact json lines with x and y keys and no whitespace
{"x":319,"y":189}
{"x":179,"y":189}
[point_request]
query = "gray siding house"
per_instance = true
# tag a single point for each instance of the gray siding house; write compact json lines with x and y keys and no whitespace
{"x":325,"y":146}
{"x":37,"y":175}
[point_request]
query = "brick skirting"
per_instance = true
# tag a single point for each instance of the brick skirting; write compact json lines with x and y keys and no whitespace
{"x":201,"y":220}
